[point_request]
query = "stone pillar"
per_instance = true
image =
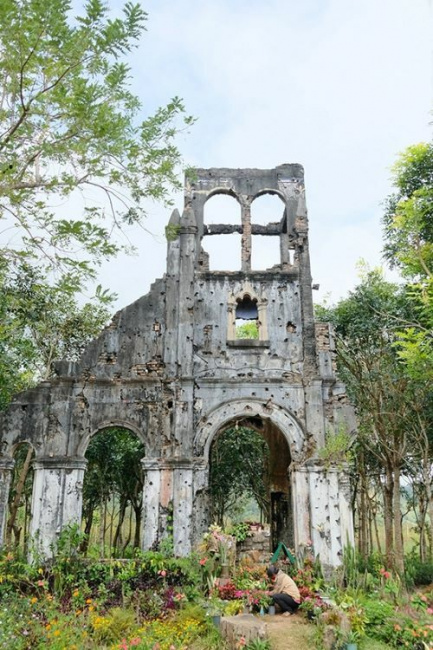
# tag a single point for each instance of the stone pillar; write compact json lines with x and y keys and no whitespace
{"x":201,"y":506}
{"x":331,"y":518}
{"x":299,"y":478}
{"x":151,"y":499}
{"x":182,"y":506}
{"x":6,"y":467}
{"x":56,"y":500}
{"x":346,"y":514}
{"x":314,"y":411}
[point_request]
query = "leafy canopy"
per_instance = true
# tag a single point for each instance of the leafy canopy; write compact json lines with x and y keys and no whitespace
{"x":70,"y":124}
{"x":408,"y":231}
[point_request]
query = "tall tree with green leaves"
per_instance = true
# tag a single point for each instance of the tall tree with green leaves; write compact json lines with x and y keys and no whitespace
{"x":78,"y":162}
{"x":408,"y":233}
{"x":39,"y":323}
{"x":390,"y":403}
{"x":70,"y":126}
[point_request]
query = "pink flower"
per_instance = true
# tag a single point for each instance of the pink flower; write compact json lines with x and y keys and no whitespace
{"x":429,"y":610}
{"x":162,"y":573}
{"x":202,"y":561}
{"x":135,"y":641}
{"x":40,"y":583}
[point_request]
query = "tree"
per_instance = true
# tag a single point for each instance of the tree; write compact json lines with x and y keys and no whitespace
{"x":408,"y":233}
{"x":239,"y":467}
{"x":77,"y":164}
{"x":114,"y":474}
{"x":39,"y":323}
{"x":390,"y":403}
{"x":68,"y":124}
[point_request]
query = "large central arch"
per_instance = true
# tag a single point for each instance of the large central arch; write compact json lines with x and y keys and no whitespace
{"x":283,"y":432}
{"x":244,"y":409}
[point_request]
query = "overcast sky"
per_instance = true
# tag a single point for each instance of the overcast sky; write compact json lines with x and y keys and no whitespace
{"x":339,"y":86}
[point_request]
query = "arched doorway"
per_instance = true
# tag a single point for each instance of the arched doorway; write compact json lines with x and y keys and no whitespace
{"x":112,"y":510}
{"x":283,"y":438}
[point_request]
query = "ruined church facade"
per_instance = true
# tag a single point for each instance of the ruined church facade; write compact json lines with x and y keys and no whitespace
{"x":171,"y":369}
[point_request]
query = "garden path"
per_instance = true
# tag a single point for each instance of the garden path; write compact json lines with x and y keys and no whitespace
{"x":291,"y":633}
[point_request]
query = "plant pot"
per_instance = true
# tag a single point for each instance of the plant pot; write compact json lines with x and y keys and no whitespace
{"x":351,"y":646}
{"x":271,"y":610}
{"x":225,"y":571}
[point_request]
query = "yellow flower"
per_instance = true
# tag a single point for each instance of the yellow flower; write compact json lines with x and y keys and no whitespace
{"x":56,"y":632}
{"x":34,"y":600}
{"x":40,"y":571}
{"x":88,"y":600}
{"x":76,"y":593}
{"x":48,"y":626}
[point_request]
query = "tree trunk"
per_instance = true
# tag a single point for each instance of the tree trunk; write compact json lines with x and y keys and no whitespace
{"x":14,"y":506}
{"x":398,"y":529}
{"x":138,"y":510}
{"x":388,"y":491}
{"x":117,"y":541}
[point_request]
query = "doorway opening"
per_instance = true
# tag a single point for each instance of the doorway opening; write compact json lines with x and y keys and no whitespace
{"x":249,"y":481}
{"x":113,"y":494}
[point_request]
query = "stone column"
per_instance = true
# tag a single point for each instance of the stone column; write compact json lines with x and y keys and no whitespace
{"x":182,"y":506}
{"x":56,"y":499}
{"x":299,"y":478}
{"x":201,"y":510}
{"x":331,"y":518}
{"x":346,"y":514}
{"x":151,"y":499}
{"x":6,"y":467}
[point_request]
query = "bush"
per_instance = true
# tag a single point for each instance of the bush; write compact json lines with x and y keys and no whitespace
{"x":417,"y":572}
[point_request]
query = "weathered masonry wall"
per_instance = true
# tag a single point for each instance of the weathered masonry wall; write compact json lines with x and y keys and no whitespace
{"x":171,"y":369}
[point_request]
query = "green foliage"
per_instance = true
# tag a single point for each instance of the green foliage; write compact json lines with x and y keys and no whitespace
{"x":69,"y":121}
{"x":114,"y":471}
{"x":41,"y":322}
{"x":248,"y":330}
{"x":239,"y":531}
{"x":239,"y":466}
{"x":409,"y":246}
{"x":418,"y":572}
{"x":258,"y":644}
{"x":117,"y":624}
{"x":336,"y":451}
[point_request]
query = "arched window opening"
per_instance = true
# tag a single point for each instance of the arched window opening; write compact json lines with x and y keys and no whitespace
{"x":223,"y":244}
{"x":267,"y":211}
{"x":247,"y":318}
{"x":20,"y":499}
{"x":239,"y":476}
{"x":267,"y":208}
{"x":113,"y":493}
{"x":222,"y":208}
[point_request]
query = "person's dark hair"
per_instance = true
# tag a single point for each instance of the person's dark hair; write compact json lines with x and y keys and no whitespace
{"x":272,"y":571}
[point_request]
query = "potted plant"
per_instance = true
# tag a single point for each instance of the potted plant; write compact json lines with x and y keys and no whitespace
{"x":351,"y":640}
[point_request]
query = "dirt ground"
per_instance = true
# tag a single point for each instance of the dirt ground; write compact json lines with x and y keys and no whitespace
{"x":291,"y":633}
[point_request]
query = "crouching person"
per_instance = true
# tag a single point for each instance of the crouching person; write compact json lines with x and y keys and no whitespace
{"x":284,"y":591}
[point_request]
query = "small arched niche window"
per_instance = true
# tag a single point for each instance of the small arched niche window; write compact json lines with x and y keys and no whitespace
{"x":247,"y":324}
{"x":247,"y":318}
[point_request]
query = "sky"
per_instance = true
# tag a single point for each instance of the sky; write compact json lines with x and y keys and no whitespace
{"x":339,"y":86}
